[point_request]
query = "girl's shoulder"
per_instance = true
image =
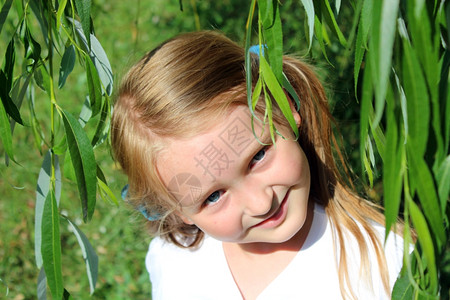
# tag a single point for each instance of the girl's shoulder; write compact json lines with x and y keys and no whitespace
{"x":196,"y":273}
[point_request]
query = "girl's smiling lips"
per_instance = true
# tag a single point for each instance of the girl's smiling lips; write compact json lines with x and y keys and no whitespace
{"x":277,"y":217}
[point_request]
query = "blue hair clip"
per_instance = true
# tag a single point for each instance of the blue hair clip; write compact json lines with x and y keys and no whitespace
{"x":255,"y":49}
{"x":153,"y":216}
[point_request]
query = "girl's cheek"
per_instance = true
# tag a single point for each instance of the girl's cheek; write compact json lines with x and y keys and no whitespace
{"x":222,"y":227}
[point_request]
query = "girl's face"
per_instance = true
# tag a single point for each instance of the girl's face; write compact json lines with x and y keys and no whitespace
{"x":235,"y":189}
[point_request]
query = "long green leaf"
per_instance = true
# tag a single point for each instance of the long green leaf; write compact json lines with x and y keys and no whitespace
{"x":8,"y":105}
{"x":42,"y":79}
{"x":42,"y":285}
{"x":60,"y":13}
{"x":428,"y":197}
{"x":98,"y":56}
{"x":331,"y":20}
{"x":403,"y":289}
{"x":365,"y":24}
{"x":104,"y":188}
{"x":273,"y":35}
{"x":4,"y":13}
{"x":102,"y":64}
{"x":42,"y":190}
{"x":18,"y":94}
{"x":67,"y":64}
{"x":83,"y":161}
{"x":384,"y":19}
{"x":84,"y":11}
{"x":51,"y":246}
{"x":290,"y":89}
{"x":85,"y":113}
{"x":102,"y":130}
{"x":426,"y":242}
{"x":95,"y":89}
{"x":89,"y":255}
{"x":265,"y":9}
{"x":366,"y":102}
{"x":248,"y":61}
{"x":359,"y":55}
{"x":393,"y":166}
{"x":8,"y":64}
{"x":418,"y":101}
{"x":277,"y":93}
{"x":309,"y":8}
{"x":319,"y":31}
{"x":5,"y":132}
{"x":443,"y":179}
{"x":444,"y":98}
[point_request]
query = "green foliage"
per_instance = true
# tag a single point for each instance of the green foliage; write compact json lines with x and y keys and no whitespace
{"x":60,"y":34}
{"x":401,"y":51}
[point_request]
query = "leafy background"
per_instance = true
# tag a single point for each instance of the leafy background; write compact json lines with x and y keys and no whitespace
{"x":118,"y":234}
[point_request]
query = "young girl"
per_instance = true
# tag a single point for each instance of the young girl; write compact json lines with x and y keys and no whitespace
{"x":237,"y":216}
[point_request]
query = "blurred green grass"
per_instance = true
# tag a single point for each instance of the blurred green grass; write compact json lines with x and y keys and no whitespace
{"x":126,"y":30}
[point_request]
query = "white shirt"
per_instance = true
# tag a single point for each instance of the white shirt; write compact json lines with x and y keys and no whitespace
{"x":178,"y":273}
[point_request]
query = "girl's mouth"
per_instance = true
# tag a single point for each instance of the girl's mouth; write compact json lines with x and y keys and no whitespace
{"x":278,"y":217}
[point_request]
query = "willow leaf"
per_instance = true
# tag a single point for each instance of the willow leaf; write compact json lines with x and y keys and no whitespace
{"x":318,"y":29}
{"x":443,"y":178}
{"x":101,"y":132}
{"x":290,"y":89}
{"x":84,"y":11}
{"x":393,"y":169}
{"x":421,"y":178}
{"x":98,"y":56}
{"x":265,"y":9}
{"x":278,"y":93}
{"x":403,"y":289}
{"x":60,"y":13}
{"x":8,"y":105}
{"x":273,"y":36}
{"x":417,"y":100}
{"x":366,"y":102}
{"x":444,"y":98}
{"x":89,"y":255}
{"x":5,"y":132}
{"x":94,"y":85}
{"x":248,"y":61}
{"x":362,"y":36}
{"x":256,"y":93}
{"x":384,"y":20}
{"x":4,"y":13}
{"x":83,"y":161}
{"x":359,"y":54}
{"x":105,"y":188}
{"x":425,"y":240}
{"x":42,"y":190}
{"x":67,"y":64}
{"x":51,"y":246}
{"x":8,"y":64}
{"x":338,"y":6}
{"x":309,"y":8}
{"x":331,"y":20}
{"x":42,"y":285}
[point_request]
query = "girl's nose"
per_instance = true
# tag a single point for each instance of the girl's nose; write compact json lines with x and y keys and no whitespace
{"x":257,"y":198}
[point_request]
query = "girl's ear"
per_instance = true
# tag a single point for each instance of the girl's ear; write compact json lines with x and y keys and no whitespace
{"x":295,"y":113}
{"x":297,"y":118}
{"x":185,"y":219}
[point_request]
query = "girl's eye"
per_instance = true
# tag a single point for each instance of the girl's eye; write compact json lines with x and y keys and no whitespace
{"x":258,"y":156}
{"x":213,"y":198}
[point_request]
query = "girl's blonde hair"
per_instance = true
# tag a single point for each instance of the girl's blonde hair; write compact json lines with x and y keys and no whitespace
{"x":178,"y":89}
